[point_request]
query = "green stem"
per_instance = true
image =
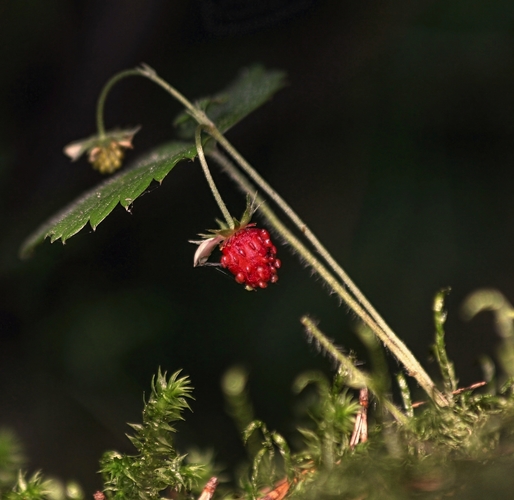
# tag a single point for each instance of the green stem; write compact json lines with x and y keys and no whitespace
{"x":103,"y":96}
{"x":392,"y":342}
{"x":149,"y":73}
{"x":196,"y":113}
{"x":360,"y":305}
{"x":210,"y":180}
{"x":253,"y":174}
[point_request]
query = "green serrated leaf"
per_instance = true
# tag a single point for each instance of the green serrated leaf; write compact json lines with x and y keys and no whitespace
{"x":95,"y":205}
{"x":251,"y":89}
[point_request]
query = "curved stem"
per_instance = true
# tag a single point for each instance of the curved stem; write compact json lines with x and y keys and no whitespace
{"x":210,"y":180}
{"x":103,"y":96}
{"x":391,"y":341}
{"x":149,"y":73}
{"x":195,"y":112}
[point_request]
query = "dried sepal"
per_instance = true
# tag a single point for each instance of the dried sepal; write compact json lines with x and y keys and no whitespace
{"x":204,"y":250}
{"x":215,"y":236}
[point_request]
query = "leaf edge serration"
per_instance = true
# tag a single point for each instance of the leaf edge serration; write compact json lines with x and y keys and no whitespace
{"x":123,"y":188}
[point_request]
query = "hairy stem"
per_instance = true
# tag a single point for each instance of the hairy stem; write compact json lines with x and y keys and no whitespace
{"x":358,"y":302}
{"x":392,"y":342}
{"x":254,"y":175}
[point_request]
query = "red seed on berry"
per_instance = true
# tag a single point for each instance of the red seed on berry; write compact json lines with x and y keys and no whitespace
{"x":249,"y":255}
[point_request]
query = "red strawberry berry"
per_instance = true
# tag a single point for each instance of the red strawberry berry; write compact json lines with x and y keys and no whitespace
{"x":249,"y":255}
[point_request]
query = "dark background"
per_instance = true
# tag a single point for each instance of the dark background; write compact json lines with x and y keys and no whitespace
{"x":393,"y":140}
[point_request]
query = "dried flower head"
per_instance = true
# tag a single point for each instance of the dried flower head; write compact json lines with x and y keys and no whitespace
{"x":104,"y":153}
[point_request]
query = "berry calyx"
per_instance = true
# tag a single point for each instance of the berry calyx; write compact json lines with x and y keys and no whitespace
{"x":250,"y":256}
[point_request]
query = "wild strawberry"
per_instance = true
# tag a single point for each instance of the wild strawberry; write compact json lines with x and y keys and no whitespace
{"x":249,"y":255}
{"x":248,"y":252}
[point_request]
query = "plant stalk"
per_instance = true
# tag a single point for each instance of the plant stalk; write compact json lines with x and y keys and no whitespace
{"x":103,"y":96}
{"x":392,"y":342}
{"x":149,"y":73}
{"x":284,"y":206}
{"x":358,"y":302}
{"x":210,"y":180}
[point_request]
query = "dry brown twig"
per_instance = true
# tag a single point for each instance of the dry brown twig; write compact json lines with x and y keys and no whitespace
{"x":472,"y":387}
{"x":360,"y":429}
